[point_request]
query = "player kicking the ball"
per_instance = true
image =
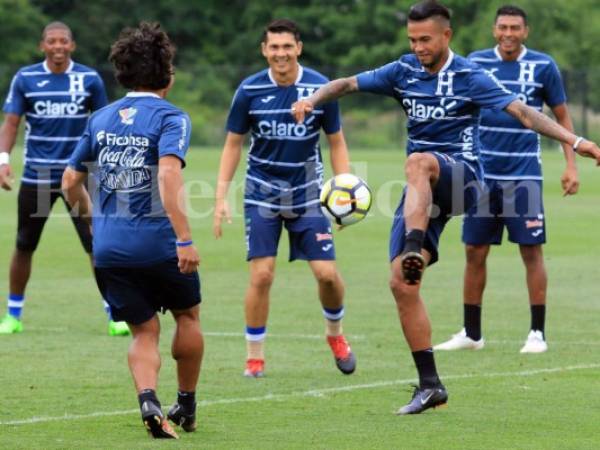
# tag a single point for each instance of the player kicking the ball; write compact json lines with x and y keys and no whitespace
{"x":442,"y":94}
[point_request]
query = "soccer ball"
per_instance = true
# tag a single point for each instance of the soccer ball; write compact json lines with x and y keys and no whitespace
{"x":345,"y":199}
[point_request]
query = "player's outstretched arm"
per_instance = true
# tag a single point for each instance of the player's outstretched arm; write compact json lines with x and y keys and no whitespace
{"x":570,"y":178}
{"x":172,"y":195}
{"x":230,"y":159}
{"x":76,"y":195}
{"x":327,"y":93}
{"x":536,"y":121}
{"x":8,"y":136}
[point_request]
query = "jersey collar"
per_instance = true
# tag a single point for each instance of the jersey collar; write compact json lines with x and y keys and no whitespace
{"x":519,"y":58}
{"x":142,"y":94}
{"x":448,"y":61}
{"x":47,"y":69}
{"x":298,"y":78}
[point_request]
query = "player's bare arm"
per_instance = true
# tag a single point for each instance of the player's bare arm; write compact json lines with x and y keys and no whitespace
{"x":8,"y":136}
{"x":76,"y":194}
{"x":230,"y":159}
{"x":340,"y":161}
{"x":542,"y":124}
{"x":569,"y":178}
{"x":327,"y":93}
{"x":172,"y":195}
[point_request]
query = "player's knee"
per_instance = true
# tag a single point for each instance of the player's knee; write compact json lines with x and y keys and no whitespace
{"x":532,"y":255}
{"x":327,"y":276}
{"x":401,"y":291}
{"x":262,"y":279}
{"x":476,"y":255}
{"x":418,"y":164}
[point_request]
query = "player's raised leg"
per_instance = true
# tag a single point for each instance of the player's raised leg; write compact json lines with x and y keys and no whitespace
{"x":331,"y":294}
{"x":187,"y":349}
{"x":417,"y":330}
{"x":421,"y":169}
{"x":262,"y":273}
{"x":537,"y":283}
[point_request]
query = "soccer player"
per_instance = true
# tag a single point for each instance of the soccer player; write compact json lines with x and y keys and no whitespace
{"x":56,"y":97}
{"x":511,"y":158}
{"x":442,"y":94}
{"x":145,"y":258}
{"x":283,"y":178}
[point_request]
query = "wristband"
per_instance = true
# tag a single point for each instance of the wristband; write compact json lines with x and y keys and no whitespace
{"x":4,"y":158}
{"x":184,"y":243}
{"x":578,"y":141}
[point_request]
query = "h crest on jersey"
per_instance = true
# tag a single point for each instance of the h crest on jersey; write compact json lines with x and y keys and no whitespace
{"x":445,"y":81}
{"x":76,"y":83}
{"x":304,"y":92}
{"x":527,"y":72}
{"x":127,"y":115}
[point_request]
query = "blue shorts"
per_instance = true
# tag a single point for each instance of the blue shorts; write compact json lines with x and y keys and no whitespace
{"x":135,"y":294}
{"x":516,"y":205}
{"x":455,"y":192}
{"x":309,"y":234}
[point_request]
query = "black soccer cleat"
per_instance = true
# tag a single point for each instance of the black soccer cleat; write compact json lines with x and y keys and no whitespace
{"x":155,"y":423}
{"x":178,"y":415}
{"x":425,"y":398}
{"x":413,"y":265}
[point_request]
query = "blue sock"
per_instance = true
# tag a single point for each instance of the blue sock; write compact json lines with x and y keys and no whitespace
{"x":107,"y":310}
{"x":15,"y":305}
{"x":333,"y":314}
{"x":255,"y":334}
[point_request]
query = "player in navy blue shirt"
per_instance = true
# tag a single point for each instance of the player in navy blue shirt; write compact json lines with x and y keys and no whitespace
{"x":134,"y":150}
{"x":511,"y":158}
{"x":283,"y":179}
{"x":55,"y":97}
{"x":442,"y":94}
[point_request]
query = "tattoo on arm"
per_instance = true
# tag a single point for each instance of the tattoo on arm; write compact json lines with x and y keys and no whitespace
{"x":539,"y":122}
{"x":334,"y":90}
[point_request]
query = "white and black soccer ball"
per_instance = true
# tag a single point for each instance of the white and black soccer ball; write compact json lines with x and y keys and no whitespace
{"x":345,"y":199}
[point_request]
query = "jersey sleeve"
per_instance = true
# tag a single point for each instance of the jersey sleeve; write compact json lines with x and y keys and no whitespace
{"x":238,"y":120}
{"x":83,"y":155}
{"x":175,"y":136}
{"x":381,"y":80}
{"x":98,"y":91}
{"x":486,"y":91}
{"x":332,"y":122}
{"x":554,"y":91}
{"x":15,"y":100}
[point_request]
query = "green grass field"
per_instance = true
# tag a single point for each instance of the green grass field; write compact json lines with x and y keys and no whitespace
{"x":65,"y":384}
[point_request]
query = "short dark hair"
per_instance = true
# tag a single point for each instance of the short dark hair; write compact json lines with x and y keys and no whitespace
{"x":56,"y":25}
{"x":282,"y":26}
{"x":143,"y":57}
{"x":511,"y":10}
{"x":427,"y":9}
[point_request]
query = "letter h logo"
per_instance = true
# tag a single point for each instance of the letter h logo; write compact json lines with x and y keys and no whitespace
{"x":76,"y":83}
{"x":527,"y":73}
{"x":445,"y":80}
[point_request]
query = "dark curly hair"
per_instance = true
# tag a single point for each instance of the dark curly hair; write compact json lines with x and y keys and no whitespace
{"x":143,"y":57}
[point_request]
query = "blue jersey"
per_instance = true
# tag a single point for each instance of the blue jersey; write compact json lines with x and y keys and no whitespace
{"x":443,"y":109}
{"x":121,"y":147}
{"x":56,"y":108}
{"x":285,"y":168}
{"x":509,"y":150}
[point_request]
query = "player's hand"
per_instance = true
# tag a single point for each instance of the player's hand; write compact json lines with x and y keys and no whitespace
{"x":589,"y":149}
{"x":222,"y":212}
{"x":189,"y":259}
{"x":570,"y":181}
{"x":301,"y":108}
{"x":6,"y":177}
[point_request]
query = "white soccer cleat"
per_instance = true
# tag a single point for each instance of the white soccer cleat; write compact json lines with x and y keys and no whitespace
{"x":460,"y":341}
{"x":535,"y":343}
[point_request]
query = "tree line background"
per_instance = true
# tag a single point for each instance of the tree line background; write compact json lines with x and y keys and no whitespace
{"x":219,"y":45}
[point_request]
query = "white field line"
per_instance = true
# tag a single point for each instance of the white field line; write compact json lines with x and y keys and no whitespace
{"x":320,"y":337}
{"x":309,"y":393}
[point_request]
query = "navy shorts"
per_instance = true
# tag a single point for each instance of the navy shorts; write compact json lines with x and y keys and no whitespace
{"x":309,"y":234}
{"x":135,"y":294}
{"x":455,"y":192}
{"x":516,"y":205}
{"x":34,"y":206}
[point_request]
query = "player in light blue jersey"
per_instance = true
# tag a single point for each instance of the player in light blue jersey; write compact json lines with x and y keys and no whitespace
{"x":56,"y":97}
{"x":442,"y":94}
{"x":511,"y":157}
{"x":283,"y":179}
{"x":134,"y":149}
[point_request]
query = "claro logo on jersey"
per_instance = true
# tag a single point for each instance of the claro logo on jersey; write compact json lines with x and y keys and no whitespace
{"x":282,"y":129}
{"x":415,"y":109}
{"x":49,"y":108}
